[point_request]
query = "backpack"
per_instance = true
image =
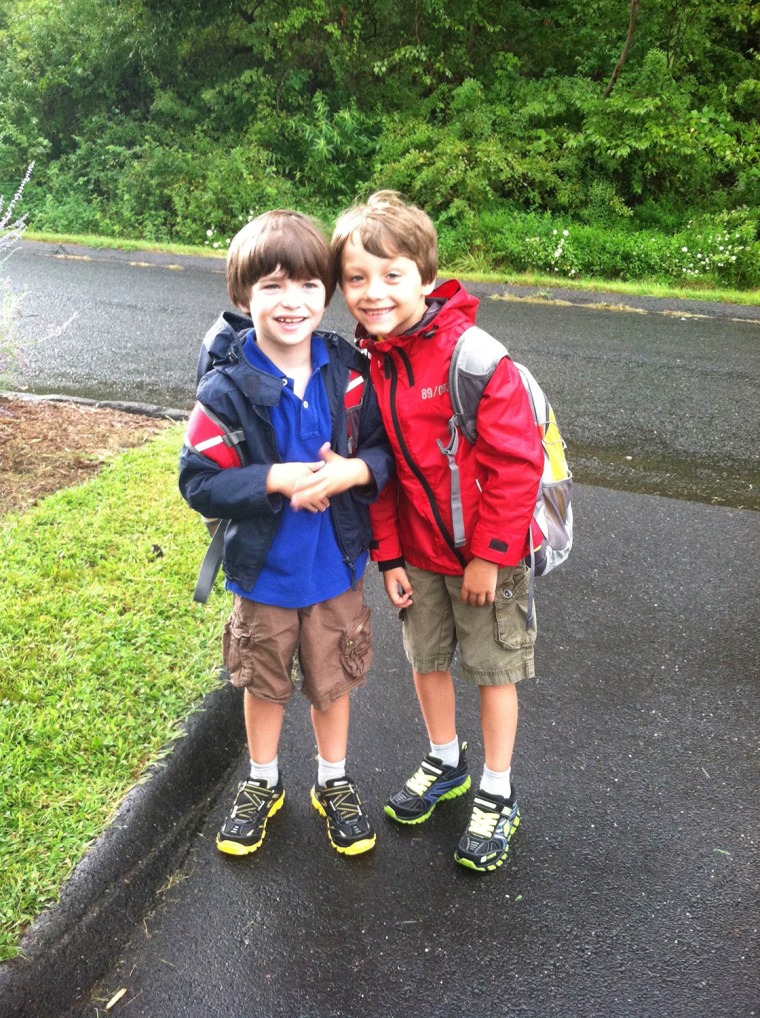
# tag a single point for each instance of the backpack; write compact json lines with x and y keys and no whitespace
{"x":206,"y":434}
{"x":473,"y":361}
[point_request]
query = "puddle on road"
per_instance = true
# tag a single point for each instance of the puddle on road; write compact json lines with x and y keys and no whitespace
{"x":715,"y":483}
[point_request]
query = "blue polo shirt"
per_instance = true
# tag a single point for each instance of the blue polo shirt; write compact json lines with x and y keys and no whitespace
{"x":304,"y":565}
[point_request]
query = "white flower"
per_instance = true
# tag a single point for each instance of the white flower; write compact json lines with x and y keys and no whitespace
{"x":209,"y":233}
{"x":684,"y":249}
{"x":554,"y":232}
{"x":565,"y":233}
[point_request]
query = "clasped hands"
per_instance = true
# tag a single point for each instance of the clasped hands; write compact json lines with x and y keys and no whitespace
{"x":311,"y":485}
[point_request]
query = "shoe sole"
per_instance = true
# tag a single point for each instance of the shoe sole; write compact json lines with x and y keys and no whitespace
{"x":357,"y":848}
{"x":453,"y":793}
{"x":464,"y":861}
{"x":236,"y":848}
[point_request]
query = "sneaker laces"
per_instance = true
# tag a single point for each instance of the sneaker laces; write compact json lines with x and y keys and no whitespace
{"x":420,"y":781}
{"x":249,"y":801}
{"x":344,"y":801}
{"x":483,"y":822}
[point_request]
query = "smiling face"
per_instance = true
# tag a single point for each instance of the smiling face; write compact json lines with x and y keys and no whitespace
{"x":384,"y":294}
{"x":285,"y":312}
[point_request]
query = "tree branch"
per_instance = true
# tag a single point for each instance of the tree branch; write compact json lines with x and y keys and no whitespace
{"x":624,"y":54}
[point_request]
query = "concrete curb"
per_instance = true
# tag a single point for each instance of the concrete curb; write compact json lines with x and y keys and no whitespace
{"x":69,"y":947}
{"x":143,"y":409}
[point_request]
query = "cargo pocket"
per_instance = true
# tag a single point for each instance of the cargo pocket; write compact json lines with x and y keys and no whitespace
{"x":235,"y":640}
{"x":510,"y":608}
{"x":356,"y":646}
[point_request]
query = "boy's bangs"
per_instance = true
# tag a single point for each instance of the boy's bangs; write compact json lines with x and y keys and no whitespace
{"x":297,"y":253}
{"x":378,"y":240}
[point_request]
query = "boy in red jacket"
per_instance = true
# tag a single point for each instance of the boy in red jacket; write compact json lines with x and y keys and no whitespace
{"x":472,"y":597}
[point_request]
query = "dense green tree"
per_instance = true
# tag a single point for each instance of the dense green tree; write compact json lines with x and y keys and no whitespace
{"x":176,"y":120}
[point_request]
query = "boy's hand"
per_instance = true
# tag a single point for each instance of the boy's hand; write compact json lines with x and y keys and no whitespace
{"x":337,"y":474}
{"x":283,"y":478}
{"x":397,"y":587}
{"x":479,"y":582}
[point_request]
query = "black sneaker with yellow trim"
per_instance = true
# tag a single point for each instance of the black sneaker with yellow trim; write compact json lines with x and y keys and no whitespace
{"x":485,"y":844}
{"x":244,"y":829}
{"x":348,"y":826}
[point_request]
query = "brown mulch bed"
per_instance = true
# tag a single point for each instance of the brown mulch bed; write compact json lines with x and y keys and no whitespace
{"x":47,"y":444}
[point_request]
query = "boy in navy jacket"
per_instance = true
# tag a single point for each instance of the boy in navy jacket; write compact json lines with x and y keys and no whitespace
{"x":293,"y":561}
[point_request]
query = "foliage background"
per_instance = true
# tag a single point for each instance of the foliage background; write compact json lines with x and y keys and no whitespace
{"x":177,"y":122}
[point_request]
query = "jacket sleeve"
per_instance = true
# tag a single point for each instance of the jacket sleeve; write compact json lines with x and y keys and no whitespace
{"x":383,"y":518}
{"x":510,"y":460}
{"x":373,"y":447}
{"x":234,"y":492}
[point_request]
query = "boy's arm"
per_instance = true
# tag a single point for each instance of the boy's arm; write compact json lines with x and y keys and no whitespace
{"x":336,"y":474}
{"x":510,"y":462}
{"x":383,"y":518}
{"x":366,"y":473}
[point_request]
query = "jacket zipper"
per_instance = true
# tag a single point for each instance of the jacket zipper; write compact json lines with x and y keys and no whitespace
{"x":392,"y":373}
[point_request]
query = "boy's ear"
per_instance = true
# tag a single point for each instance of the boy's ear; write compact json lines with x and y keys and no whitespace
{"x":427,"y":288}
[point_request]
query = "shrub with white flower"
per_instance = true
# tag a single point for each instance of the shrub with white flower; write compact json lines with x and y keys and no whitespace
{"x":723,"y":248}
{"x":551,"y":253}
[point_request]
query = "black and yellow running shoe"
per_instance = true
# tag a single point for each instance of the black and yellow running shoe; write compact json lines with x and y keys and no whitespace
{"x":348,"y":826}
{"x":431,"y":783}
{"x":244,"y":829}
{"x":485,"y":844}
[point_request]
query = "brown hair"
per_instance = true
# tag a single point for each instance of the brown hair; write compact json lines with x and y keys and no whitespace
{"x":282,"y":239}
{"x":387,"y":226}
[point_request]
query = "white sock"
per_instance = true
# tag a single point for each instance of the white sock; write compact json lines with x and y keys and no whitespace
{"x":326,"y":771}
{"x":497,"y":782}
{"x":447,"y":752}
{"x":266,"y":772}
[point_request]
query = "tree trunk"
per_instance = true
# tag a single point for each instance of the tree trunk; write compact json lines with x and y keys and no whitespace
{"x":624,"y":54}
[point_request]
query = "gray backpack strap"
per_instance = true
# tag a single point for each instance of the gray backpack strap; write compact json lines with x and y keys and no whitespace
{"x":473,"y":361}
{"x":450,"y":451}
{"x":211,"y":562}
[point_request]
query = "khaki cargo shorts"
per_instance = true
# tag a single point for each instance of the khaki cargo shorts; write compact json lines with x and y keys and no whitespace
{"x":333,"y":640}
{"x":495,"y":648}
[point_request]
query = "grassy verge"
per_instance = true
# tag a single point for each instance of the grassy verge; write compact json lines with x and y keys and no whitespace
{"x":103,"y":652}
{"x":472,"y":269}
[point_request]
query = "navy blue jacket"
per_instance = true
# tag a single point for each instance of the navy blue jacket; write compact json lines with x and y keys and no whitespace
{"x":239,"y":395}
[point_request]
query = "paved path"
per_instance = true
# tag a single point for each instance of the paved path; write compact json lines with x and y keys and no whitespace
{"x":633,"y":886}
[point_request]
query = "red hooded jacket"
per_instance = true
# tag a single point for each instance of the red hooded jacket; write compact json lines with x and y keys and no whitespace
{"x":499,"y":475}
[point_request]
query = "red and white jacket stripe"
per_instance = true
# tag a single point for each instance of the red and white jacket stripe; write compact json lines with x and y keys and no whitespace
{"x":499,"y":475}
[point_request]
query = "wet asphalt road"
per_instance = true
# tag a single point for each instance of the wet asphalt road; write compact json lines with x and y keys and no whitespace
{"x":633,"y":884}
{"x":632,"y":888}
{"x":648,"y":401}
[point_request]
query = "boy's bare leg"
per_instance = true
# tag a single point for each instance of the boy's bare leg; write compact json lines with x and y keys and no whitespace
{"x":498,"y":719}
{"x":435,"y":692}
{"x":331,"y":728}
{"x":263,"y":724}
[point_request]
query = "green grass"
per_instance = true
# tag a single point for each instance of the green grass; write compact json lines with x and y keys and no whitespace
{"x":548,"y":285}
{"x":103,"y":653}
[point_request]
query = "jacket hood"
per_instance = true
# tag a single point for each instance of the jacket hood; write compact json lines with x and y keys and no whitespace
{"x":450,"y":296}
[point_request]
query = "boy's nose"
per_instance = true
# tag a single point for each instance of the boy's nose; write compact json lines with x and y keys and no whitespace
{"x":375,"y":287}
{"x":291,"y":297}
